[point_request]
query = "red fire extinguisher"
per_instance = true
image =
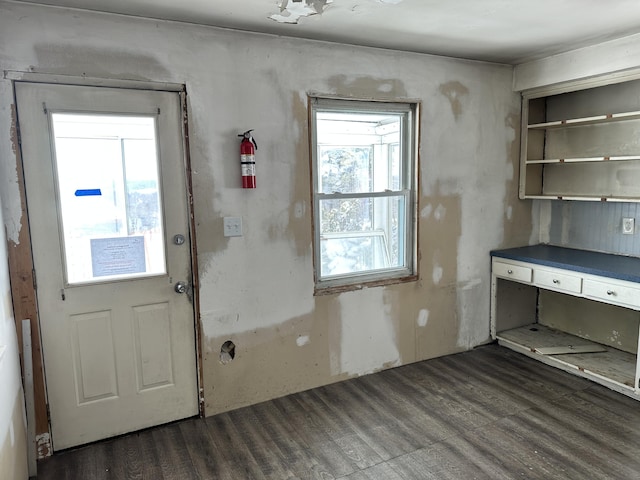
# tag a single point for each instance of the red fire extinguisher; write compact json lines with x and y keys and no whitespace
{"x":248,"y":148}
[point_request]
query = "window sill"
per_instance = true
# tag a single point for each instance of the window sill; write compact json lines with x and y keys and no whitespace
{"x":333,"y":289}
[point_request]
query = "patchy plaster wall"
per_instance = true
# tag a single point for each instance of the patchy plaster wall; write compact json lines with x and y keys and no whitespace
{"x":11,"y":208}
{"x":13,"y":439}
{"x":257,"y":290}
{"x":13,"y":443}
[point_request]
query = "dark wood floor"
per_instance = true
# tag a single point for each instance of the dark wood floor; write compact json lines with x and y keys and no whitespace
{"x":485,"y":414}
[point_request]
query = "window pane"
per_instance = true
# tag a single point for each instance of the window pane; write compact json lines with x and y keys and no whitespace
{"x":143,"y":199}
{"x":361,"y":235}
{"x":108,"y":186}
{"x":346,"y":169}
{"x":346,"y":215}
{"x":395,"y":179}
{"x":354,"y":151}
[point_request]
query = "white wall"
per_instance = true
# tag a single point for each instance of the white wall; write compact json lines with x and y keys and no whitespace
{"x":257,"y":290}
{"x":13,"y":443}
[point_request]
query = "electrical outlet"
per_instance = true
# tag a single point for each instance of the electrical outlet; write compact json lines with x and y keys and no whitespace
{"x":232,"y":226}
{"x":628,"y":226}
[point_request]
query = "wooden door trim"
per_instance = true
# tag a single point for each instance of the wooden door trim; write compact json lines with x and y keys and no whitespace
{"x":23,"y":294}
{"x":33,"y":77}
{"x":194,"y":251}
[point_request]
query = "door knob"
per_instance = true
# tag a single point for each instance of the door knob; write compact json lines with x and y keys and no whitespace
{"x":180,"y":287}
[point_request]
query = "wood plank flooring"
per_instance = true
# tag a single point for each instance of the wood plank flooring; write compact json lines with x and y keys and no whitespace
{"x":486,"y":414}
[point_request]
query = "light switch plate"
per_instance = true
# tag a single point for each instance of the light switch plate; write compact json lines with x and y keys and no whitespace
{"x":628,"y":226}
{"x":232,"y":226}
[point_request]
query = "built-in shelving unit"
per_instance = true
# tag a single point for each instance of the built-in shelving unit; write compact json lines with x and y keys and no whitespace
{"x":583,"y":144}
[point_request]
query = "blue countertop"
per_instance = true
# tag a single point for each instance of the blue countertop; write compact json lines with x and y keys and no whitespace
{"x":594,"y":263}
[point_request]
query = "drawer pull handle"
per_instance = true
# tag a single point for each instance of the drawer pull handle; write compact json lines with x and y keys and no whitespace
{"x":610,"y":292}
{"x":556,"y":281}
{"x":509,"y":272}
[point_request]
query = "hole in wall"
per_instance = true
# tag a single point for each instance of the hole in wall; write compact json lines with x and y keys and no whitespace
{"x":227,"y":352}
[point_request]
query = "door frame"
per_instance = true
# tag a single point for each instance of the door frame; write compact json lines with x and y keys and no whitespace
{"x":20,"y":258}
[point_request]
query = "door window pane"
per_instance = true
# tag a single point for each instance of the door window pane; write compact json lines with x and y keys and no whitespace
{"x":109,"y":193}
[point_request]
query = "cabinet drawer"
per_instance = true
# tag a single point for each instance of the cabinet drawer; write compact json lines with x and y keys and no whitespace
{"x":612,"y":293}
{"x":557,"y":281}
{"x":514,"y":272}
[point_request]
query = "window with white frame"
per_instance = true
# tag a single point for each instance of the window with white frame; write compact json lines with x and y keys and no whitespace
{"x":364,"y":182}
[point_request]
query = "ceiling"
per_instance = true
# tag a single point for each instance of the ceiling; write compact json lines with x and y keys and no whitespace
{"x":504,"y":31}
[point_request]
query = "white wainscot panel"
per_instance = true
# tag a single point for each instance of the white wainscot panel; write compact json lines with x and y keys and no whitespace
{"x":152,"y":330}
{"x":94,"y":356}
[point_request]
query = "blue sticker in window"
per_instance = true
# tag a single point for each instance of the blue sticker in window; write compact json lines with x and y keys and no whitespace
{"x":88,"y":192}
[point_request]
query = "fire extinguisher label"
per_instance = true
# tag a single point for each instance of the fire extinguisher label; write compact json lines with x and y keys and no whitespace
{"x":249,"y":169}
{"x":248,"y":164}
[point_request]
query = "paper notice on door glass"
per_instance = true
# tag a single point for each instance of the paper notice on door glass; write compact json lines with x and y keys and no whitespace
{"x":117,"y":256}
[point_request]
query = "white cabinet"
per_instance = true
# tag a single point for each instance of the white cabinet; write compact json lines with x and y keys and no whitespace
{"x":583,"y":144}
{"x":518,"y":321}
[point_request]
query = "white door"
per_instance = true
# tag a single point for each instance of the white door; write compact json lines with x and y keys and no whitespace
{"x":109,"y":222}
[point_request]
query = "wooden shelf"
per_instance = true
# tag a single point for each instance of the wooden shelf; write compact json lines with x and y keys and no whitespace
{"x":584,"y":121}
{"x":611,"y":367}
{"x":616,"y":158}
{"x":586,"y":198}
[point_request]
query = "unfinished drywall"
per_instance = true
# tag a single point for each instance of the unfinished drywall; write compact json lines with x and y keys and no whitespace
{"x":257,"y":290}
